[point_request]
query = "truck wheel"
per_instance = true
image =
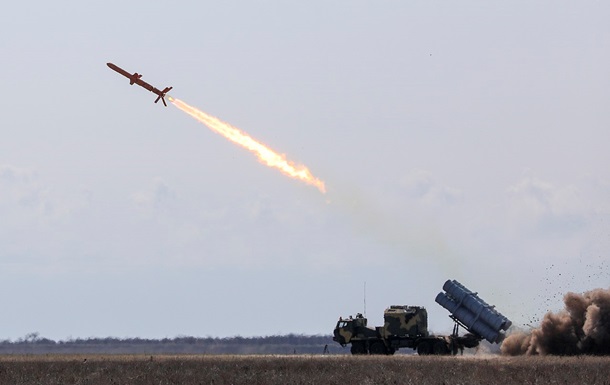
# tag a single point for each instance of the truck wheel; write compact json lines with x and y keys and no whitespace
{"x":358,"y":348}
{"x":424,"y":348}
{"x":440,"y":348}
{"x":378,"y":347}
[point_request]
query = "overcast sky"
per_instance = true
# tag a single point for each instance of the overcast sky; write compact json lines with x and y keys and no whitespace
{"x":457,"y":140}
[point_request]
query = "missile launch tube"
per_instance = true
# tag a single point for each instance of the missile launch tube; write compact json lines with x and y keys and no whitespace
{"x":507,"y":323}
{"x":461,"y":295}
{"x":473,"y":322}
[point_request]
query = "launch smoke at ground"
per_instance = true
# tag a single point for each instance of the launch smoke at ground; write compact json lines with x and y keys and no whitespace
{"x":583,"y":327}
{"x":264,"y":154}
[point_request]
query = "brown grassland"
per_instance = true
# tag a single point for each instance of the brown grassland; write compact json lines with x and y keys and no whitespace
{"x":314,"y":369}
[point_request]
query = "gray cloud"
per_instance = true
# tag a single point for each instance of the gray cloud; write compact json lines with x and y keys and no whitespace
{"x":157,"y":198}
{"x":12,"y":174}
{"x":547,"y":208}
{"x":422,"y":185}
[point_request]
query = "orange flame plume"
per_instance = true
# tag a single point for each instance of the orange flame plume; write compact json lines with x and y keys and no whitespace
{"x":264,"y":153}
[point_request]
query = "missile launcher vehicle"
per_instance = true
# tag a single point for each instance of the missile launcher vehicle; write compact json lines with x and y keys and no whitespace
{"x":407,"y":326}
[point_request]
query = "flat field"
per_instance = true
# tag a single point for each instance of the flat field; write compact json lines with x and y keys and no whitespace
{"x":300,"y":369}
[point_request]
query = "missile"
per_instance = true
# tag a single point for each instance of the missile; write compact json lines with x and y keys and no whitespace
{"x":136,"y":79}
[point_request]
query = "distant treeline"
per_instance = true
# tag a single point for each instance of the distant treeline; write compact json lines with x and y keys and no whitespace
{"x":33,"y":343}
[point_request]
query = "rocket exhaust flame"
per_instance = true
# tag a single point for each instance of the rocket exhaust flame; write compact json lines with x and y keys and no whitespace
{"x":264,"y":153}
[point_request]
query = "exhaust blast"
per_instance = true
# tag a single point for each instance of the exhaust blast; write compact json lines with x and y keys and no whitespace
{"x":265,"y":155}
{"x":583,"y":327}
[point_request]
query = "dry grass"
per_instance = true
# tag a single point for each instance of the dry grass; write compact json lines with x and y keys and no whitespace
{"x":201,"y":369}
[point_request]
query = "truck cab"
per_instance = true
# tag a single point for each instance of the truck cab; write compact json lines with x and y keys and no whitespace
{"x":351,"y":328}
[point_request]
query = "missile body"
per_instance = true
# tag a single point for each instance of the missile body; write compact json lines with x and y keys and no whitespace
{"x":136,"y":79}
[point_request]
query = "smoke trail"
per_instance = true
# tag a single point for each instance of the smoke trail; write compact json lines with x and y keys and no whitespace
{"x":265,"y":154}
{"x":583,"y":327}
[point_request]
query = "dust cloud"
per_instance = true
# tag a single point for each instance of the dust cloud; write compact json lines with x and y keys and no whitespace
{"x":583,"y":327}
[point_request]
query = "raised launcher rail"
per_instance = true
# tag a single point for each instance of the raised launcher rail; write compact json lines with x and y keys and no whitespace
{"x":472,"y":312}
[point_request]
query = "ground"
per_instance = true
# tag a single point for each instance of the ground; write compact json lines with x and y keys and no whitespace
{"x":301,"y":369}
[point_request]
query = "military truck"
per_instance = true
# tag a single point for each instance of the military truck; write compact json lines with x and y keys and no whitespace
{"x":407,"y":326}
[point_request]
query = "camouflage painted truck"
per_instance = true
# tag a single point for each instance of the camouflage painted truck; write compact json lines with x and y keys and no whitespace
{"x":407,"y":326}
